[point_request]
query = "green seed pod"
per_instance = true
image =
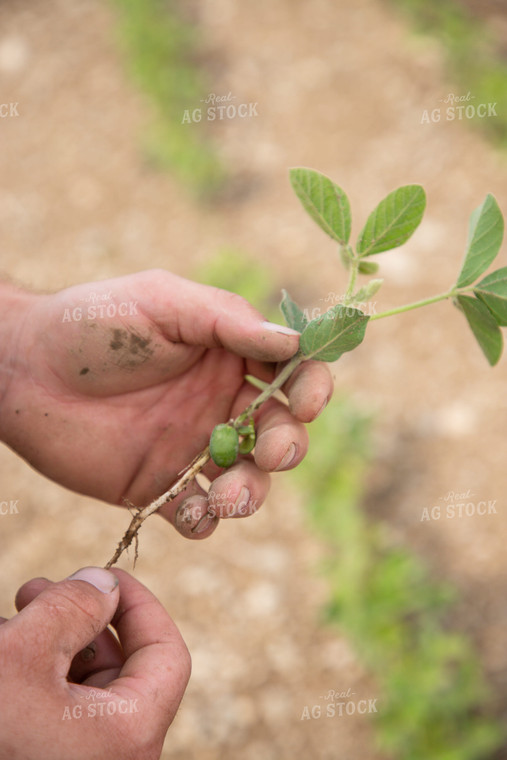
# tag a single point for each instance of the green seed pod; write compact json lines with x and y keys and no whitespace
{"x":247,"y":429}
{"x":247,"y":444}
{"x":224,"y":445}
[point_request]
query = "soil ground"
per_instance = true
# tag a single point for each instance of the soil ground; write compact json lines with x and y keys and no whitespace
{"x":341,"y":87}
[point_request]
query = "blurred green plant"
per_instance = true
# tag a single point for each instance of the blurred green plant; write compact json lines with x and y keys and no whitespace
{"x":434,"y":700}
{"x":234,"y":270}
{"x":475,"y":55}
{"x":160,"y":50}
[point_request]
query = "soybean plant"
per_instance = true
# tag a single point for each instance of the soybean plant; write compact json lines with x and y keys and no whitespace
{"x":392,"y":222}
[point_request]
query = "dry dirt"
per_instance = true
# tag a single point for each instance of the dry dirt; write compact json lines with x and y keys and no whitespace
{"x":340,"y":87}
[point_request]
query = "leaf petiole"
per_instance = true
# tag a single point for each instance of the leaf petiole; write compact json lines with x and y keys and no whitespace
{"x":270,"y":389}
{"x":353,"y":272}
{"x":452,"y":293}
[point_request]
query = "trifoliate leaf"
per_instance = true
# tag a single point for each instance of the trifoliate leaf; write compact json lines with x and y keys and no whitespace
{"x":492,"y":291}
{"x":393,"y":221}
{"x":483,"y":326}
{"x":484,"y":240}
{"x":326,"y":203}
{"x":329,"y":336}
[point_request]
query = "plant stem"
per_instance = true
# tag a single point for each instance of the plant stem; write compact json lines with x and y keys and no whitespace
{"x":353,"y":272}
{"x":198,"y":463}
{"x":418,"y":304}
{"x":270,"y":389}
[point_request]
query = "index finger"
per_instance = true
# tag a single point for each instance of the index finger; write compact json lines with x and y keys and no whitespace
{"x":158,"y":662}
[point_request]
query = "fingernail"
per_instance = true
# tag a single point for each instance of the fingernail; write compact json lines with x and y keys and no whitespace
{"x":204,"y":523}
{"x":241,"y":503}
{"x":288,"y":458}
{"x":283,"y":329}
{"x":102,"y":579}
{"x":190,"y":511}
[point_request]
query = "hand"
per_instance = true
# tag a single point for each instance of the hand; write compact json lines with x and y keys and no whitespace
{"x":113,"y":387}
{"x":70,"y":689}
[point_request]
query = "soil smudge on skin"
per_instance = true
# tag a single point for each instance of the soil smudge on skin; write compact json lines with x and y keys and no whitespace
{"x":129,"y":348}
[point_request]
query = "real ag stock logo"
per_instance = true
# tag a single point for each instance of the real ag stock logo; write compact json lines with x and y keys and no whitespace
{"x":219,"y":108}
{"x":339,"y":299}
{"x":100,"y":306}
{"x":338,"y":704}
{"x":8,"y":110}
{"x":9,"y":507}
{"x":459,"y":505}
{"x":458,"y":107}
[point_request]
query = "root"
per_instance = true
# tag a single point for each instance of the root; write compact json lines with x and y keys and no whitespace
{"x":141,"y":514}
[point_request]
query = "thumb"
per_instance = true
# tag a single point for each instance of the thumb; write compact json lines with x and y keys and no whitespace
{"x":65,"y":617}
{"x":201,"y":315}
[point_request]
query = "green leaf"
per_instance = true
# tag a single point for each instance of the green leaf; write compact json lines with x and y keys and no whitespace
{"x":492,"y":291}
{"x":326,"y":203}
{"x":368,"y":290}
{"x":329,"y":336}
{"x":485,"y":236}
{"x":368,"y":267}
{"x":483,"y":326}
{"x":393,"y":221}
{"x":292,"y":313}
